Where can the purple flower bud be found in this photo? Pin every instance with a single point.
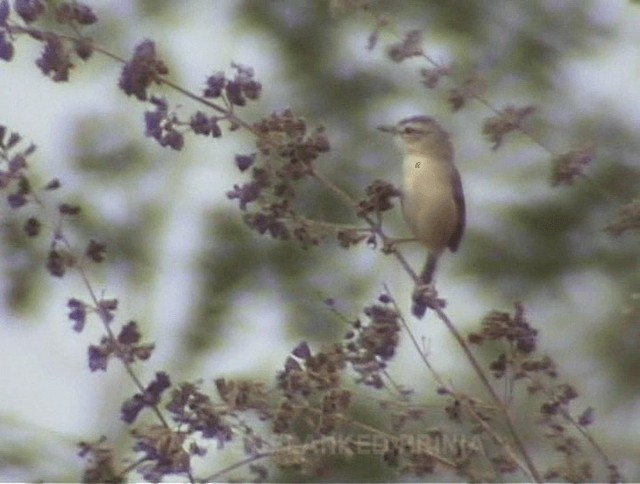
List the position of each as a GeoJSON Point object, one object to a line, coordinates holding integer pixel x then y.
{"type": "Point", "coordinates": [215, 85]}
{"type": "Point", "coordinates": [4, 11]}
{"type": "Point", "coordinates": [6, 48]}
{"type": "Point", "coordinates": [29, 10]}
{"type": "Point", "coordinates": [243, 162]}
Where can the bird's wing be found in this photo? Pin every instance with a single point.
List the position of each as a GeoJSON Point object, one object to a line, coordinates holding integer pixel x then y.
{"type": "Point", "coordinates": [458, 196]}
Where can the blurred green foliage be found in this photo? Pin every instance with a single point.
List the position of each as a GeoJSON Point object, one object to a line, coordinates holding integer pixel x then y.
{"type": "Point", "coordinates": [512, 43]}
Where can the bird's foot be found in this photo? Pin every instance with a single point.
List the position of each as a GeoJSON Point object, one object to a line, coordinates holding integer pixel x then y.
{"type": "Point", "coordinates": [391, 245]}
{"type": "Point", "coordinates": [425, 296]}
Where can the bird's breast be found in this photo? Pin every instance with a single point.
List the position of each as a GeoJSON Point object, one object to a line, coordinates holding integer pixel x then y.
{"type": "Point", "coordinates": [428, 204]}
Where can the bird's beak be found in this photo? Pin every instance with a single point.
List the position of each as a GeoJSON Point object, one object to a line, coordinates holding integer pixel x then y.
{"type": "Point", "coordinates": [388, 129]}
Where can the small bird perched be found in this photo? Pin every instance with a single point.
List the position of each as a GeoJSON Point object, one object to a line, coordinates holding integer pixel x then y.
{"type": "Point", "coordinates": [433, 200]}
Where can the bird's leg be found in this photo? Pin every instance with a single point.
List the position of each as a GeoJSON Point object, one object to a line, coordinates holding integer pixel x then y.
{"type": "Point", "coordinates": [391, 244]}
{"type": "Point", "coordinates": [425, 294]}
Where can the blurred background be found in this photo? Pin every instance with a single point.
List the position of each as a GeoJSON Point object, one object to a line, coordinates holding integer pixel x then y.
{"type": "Point", "coordinates": [220, 300]}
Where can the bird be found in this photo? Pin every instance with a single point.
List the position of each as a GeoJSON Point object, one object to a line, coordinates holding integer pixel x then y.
{"type": "Point", "coordinates": [433, 201]}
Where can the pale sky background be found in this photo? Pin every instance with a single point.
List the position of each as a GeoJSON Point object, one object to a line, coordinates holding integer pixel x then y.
{"type": "Point", "coordinates": [49, 397]}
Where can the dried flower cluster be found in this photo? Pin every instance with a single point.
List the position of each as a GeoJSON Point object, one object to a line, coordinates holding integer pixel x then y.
{"type": "Point", "coordinates": [143, 69]}
{"type": "Point", "coordinates": [471, 88]}
{"type": "Point", "coordinates": [242, 87]}
{"type": "Point", "coordinates": [15, 179]}
{"type": "Point", "coordinates": [372, 345]}
{"type": "Point", "coordinates": [628, 218]}
{"type": "Point", "coordinates": [195, 412]}
{"type": "Point", "coordinates": [520, 363]}
{"type": "Point", "coordinates": [569, 166]}
{"type": "Point", "coordinates": [411, 46]}
{"type": "Point", "coordinates": [13, 168]}
{"type": "Point", "coordinates": [163, 452]}
{"type": "Point", "coordinates": [510, 119]}
{"type": "Point", "coordinates": [164, 125]}
{"type": "Point", "coordinates": [150, 397]}
{"type": "Point", "coordinates": [56, 60]}
{"type": "Point", "coordinates": [515, 330]}
{"type": "Point", "coordinates": [380, 195]}
{"type": "Point", "coordinates": [431, 76]}
{"type": "Point", "coordinates": [100, 459]}
{"type": "Point", "coordinates": [287, 149]}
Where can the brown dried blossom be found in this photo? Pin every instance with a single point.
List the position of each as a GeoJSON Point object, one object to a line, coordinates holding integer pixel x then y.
{"type": "Point", "coordinates": [320, 371]}
{"type": "Point", "coordinates": [509, 119]}
{"type": "Point", "coordinates": [628, 218]}
{"type": "Point", "coordinates": [569, 166]}
{"type": "Point", "coordinates": [32, 227]}
{"type": "Point", "coordinates": [58, 261]}
{"type": "Point", "coordinates": [163, 451]}
{"type": "Point", "coordinates": [96, 251]}
{"type": "Point", "coordinates": [431, 77]}
{"type": "Point", "coordinates": [285, 415]}
{"type": "Point", "coordinates": [370, 345]}
{"type": "Point", "coordinates": [100, 462]}
{"type": "Point", "coordinates": [334, 404]}
{"type": "Point", "coordinates": [195, 411]}
{"type": "Point", "coordinates": [471, 88]}
{"type": "Point", "coordinates": [380, 195]}
{"type": "Point", "coordinates": [287, 136]}
{"type": "Point", "coordinates": [287, 149]}
{"type": "Point", "coordinates": [242, 395]}
{"type": "Point", "coordinates": [410, 46]}
{"type": "Point", "coordinates": [498, 325]}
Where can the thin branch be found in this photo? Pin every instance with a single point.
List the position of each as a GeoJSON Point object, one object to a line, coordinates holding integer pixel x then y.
{"type": "Point", "coordinates": [236, 465]}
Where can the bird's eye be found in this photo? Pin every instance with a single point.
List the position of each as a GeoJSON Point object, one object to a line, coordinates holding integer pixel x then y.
{"type": "Point", "coordinates": [409, 130]}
